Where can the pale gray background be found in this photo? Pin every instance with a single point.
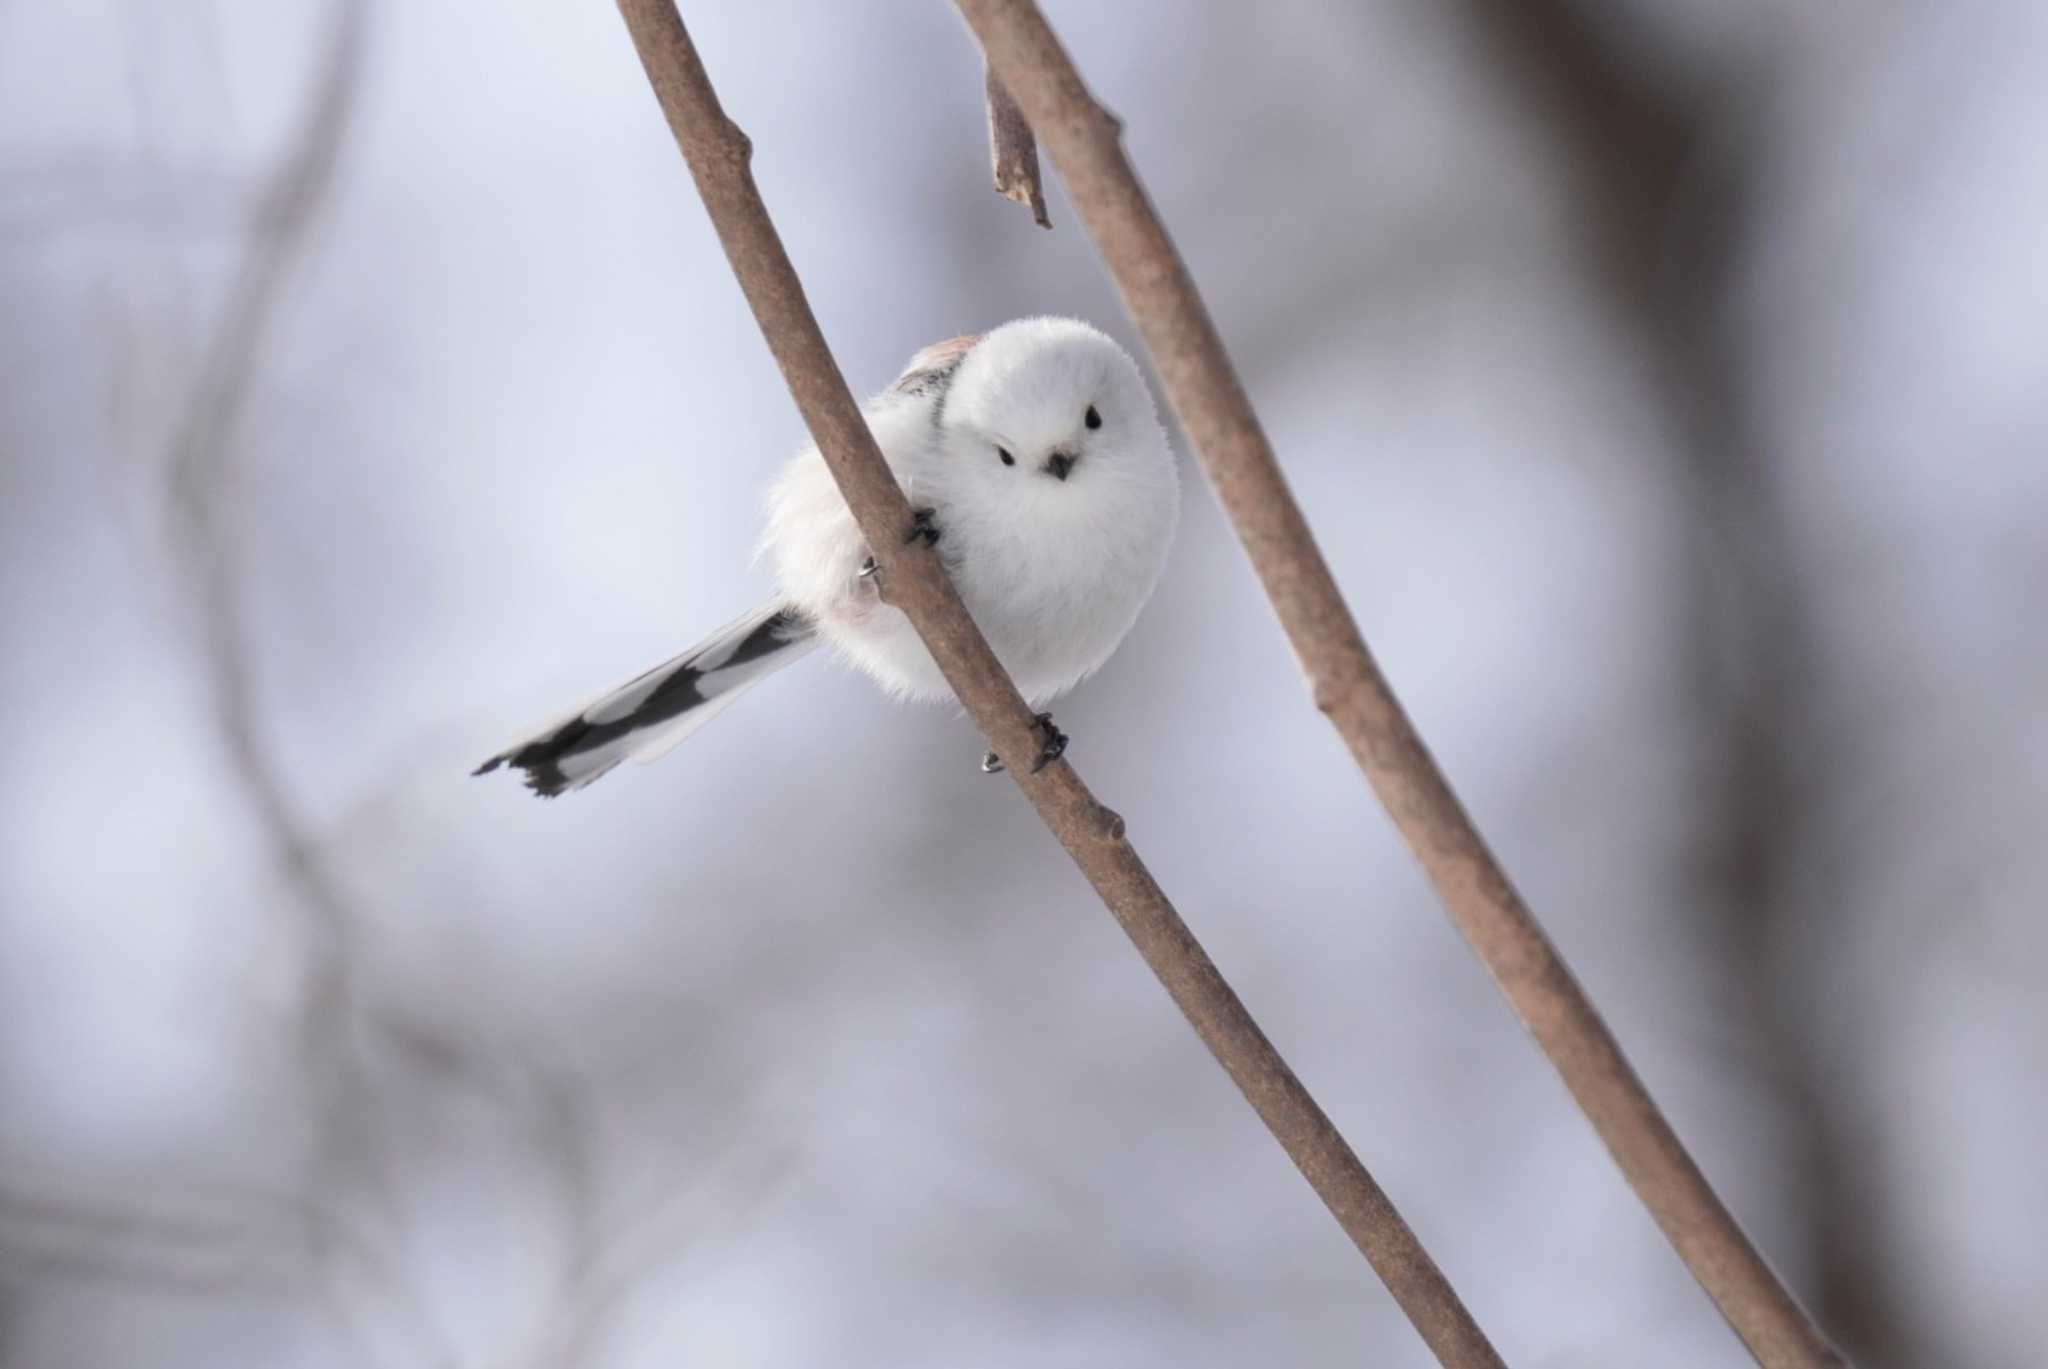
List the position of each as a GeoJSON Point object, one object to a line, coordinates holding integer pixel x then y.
{"type": "Point", "coordinates": [1681, 442]}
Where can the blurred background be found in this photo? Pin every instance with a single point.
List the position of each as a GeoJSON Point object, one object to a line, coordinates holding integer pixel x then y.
{"type": "Point", "coordinates": [1666, 381]}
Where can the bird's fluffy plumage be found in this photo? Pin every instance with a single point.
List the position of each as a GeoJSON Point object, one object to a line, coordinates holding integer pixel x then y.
{"type": "Point", "coordinates": [1040, 454]}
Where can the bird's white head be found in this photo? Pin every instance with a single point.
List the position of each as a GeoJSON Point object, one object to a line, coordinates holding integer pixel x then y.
{"type": "Point", "coordinates": [1048, 411]}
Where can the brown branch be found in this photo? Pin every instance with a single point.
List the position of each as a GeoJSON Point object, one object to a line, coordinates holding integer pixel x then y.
{"type": "Point", "coordinates": [718, 154]}
{"type": "Point", "coordinates": [1084, 143]}
{"type": "Point", "coordinates": [1014, 152]}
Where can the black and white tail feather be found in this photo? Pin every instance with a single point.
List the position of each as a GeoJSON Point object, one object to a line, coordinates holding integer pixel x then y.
{"type": "Point", "coordinates": [649, 714]}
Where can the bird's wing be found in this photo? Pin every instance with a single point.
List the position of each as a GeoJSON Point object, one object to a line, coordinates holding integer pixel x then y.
{"type": "Point", "coordinates": [931, 370]}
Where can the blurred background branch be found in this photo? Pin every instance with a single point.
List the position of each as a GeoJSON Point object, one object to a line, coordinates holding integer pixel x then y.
{"type": "Point", "coordinates": [199, 475]}
{"type": "Point", "coordinates": [1662, 172]}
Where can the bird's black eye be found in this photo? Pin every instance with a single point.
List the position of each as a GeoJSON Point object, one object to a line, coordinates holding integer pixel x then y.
{"type": "Point", "coordinates": [1092, 419]}
{"type": "Point", "coordinates": [1008, 460]}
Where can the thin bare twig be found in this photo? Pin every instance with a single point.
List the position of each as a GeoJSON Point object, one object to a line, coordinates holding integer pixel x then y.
{"type": "Point", "coordinates": [1014, 152]}
{"type": "Point", "coordinates": [718, 155]}
{"type": "Point", "coordinates": [1084, 142]}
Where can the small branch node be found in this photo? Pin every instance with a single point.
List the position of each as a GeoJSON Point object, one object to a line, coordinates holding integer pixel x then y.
{"type": "Point", "coordinates": [1338, 678]}
{"type": "Point", "coordinates": [734, 145]}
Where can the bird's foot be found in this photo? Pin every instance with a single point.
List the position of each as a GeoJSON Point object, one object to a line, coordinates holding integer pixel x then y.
{"type": "Point", "coordinates": [874, 580]}
{"type": "Point", "coordinates": [921, 525]}
{"type": "Point", "coordinates": [1054, 746]}
{"type": "Point", "coordinates": [1055, 742]}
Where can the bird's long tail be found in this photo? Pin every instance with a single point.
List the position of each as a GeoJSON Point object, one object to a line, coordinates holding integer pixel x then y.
{"type": "Point", "coordinates": [646, 716]}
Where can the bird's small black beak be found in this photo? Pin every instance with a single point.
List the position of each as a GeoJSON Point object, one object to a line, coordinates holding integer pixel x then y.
{"type": "Point", "coordinates": [1059, 464]}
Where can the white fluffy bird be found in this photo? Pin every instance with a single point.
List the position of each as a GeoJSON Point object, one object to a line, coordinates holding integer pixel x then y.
{"type": "Point", "coordinates": [1035, 461]}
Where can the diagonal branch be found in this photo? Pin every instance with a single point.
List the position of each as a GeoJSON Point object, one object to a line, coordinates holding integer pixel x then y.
{"type": "Point", "coordinates": [718, 154]}
{"type": "Point", "coordinates": [1084, 142]}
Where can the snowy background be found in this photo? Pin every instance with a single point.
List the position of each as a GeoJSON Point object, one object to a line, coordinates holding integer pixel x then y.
{"type": "Point", "coordinates": [1667, 382]}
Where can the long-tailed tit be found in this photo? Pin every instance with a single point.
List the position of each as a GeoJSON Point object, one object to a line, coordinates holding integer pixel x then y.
{"type": "Point", "coordinates": [1035, 462]}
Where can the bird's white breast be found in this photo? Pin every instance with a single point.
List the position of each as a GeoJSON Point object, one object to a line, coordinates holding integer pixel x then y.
{"type": "Point", "coordinates": [1053, 572]}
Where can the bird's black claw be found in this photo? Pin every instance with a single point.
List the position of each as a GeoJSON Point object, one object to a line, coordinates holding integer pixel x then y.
{"type": "Point", "coordinates": [921, 525]}
{"type": "Point", "coordinates": [1055, 742]}
{"type": "Point", "coordinates": [869, 570]}
{"type": "Point", "coordinates": [1055, 746]}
